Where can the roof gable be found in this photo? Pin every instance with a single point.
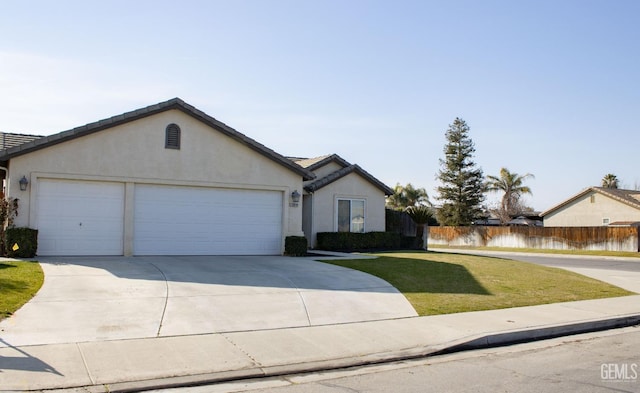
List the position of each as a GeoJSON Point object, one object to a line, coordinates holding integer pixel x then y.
{"type": "Point", "coordinates": [151, 110]}
{"type": "Point", "coordinates": [337, 175]}
{"type": "Point", "coordinates": [627, 197]}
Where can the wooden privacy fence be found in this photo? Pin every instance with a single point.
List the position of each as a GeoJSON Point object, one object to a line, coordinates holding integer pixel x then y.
{"type": "Point", "coordinates": [559, 238]}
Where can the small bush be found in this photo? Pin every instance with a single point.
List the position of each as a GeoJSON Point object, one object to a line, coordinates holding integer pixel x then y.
{"type": "Point", "coordinates": [26, 240]}
{"type": "Point", "coordinates": [350, 241]}
{"type": "Point", "coordinates": [295, 246]}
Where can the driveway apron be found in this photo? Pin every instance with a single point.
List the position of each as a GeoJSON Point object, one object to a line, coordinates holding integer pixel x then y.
{"type": "Point", "coordinates": [108, 298]}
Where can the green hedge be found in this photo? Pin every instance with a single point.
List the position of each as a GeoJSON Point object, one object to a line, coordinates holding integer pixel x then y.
{"type": "Point", "coordinates": [350, 241]}
{"type": "Point", "coordinates": [24, 240]}
{"type": "Point", "coordinates": [295, 246]}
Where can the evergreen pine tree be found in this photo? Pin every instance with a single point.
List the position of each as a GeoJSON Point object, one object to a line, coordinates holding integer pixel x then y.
{"type": "Point", "coordinates": [462, 190]}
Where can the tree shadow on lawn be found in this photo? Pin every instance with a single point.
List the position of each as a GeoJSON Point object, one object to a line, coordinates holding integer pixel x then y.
{"type": "Point", "coordinates": [442, 277]}
{"type": "Point", "coordinates": [411, 275]}
{"type": "Point", "coordinates": [6, 266]}
{"type": "Point", "coordinates": [8, 285]}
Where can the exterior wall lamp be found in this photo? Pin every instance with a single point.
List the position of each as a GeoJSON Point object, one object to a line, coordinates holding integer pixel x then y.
{"type": "Point", "coordinates": [295, 196]}
{"type": "Point", "coordinates": [23, 183]}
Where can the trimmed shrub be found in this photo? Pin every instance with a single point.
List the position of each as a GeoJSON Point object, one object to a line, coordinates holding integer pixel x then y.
{"type": "Point", "coordinates": [350, 241]}
{"type": "Point", "coordinates": [24, 240]}
{"type": "Point", "coordinates": [295, 246]}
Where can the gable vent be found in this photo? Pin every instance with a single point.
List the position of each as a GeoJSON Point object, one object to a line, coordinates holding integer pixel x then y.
{"type": "Point", "coordinates": [172, 137]}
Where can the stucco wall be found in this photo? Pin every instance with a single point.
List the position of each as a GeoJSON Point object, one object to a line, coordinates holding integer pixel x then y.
{"type": "Point", "coordinates": [584, 212]}
{"type": "Point", "coordinates": [135, 153]}
{"type": "Point", "coordinates": [353, 186]}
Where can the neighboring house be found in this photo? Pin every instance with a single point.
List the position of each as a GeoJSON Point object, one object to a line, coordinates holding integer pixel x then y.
{"type": "Point", "coordinates": [9, 140]}
{"type": "Point", "coordinates": [166, 179]}
{"type": "Point", "coordinates": [342, 198]}
{"type": "Point", "coordinates": [596, 206]}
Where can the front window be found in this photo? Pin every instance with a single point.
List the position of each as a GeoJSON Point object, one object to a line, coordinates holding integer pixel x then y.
{"type": "Point", "coordinates": [351, 215]}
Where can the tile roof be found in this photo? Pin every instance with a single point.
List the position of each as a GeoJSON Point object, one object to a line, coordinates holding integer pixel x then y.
{"type": "Point", "coordinates": [625, 224]}
{"type": "Point", "coordinates": [330, 178]}
{"type": "Point", "coordinates": [307, 162]}
{"type": "Point", "coordinates": [317, 162]}
{"type": "Point", "coordinates": [9, 140]}
{"type": "Point", "coordinates": [175, 103]}
{"type": "Point", "coordinates": [628, 197]}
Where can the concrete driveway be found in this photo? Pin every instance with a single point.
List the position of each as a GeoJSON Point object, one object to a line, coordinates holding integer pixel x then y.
{"type": "Point", "coordinates": [107, 298]}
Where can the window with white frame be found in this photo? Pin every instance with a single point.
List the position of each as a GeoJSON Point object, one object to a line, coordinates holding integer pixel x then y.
{"type": "Point", "coordinates": [351, 215]}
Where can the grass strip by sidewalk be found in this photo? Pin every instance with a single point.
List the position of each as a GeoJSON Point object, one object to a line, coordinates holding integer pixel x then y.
{"type": "Point", "coordinates": [627, 254]}
{"type": "Point", "coordinates": [19, 282]}
{"type": "Point", "coordinates": [442, 283]}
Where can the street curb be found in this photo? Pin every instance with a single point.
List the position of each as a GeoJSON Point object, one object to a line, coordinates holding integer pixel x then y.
{"type": "Point", "coordinates": [542, 333]}
{"type": "Point", "coordinates": [482, 341]}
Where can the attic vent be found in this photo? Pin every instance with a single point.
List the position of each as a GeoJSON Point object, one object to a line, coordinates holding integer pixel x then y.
{"type": "Point", "coordinates": [172, 137]}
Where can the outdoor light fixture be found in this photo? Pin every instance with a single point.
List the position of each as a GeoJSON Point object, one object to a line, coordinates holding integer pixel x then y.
{"type": "Point", "coordinates": [295, 196]}
{"type": "Point", "coordinates": [23, 183]}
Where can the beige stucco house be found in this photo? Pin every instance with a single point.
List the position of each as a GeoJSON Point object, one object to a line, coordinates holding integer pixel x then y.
{"type": "Point", "coordinates": [166, 179]}
{"type": "Point", "coordinates": [169, 179]}
{"type": "Point", "coordinates": [595, 206]}
{"type": "Point", "coordinates": [342, 198]}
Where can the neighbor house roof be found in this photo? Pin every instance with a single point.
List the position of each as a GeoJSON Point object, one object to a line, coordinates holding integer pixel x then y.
{"type": "Point", "coordinates": [628, 197]}
{"type": "Point", "coordinates": [314, 163]}
{"type": "Point", "coordinates": [9, 139]}
{"type": "Point", "coordinates": [175, 103]}
{"type": "Point", "coordinates": [339, 174]}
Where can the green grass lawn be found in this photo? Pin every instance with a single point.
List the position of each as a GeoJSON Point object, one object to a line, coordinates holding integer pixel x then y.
{"type": "Point", "coordinates": [543, 251]}
{"type": "Point", "coordinates": [442, 283]}
{"type": "Point", "coordinates": [19, 282]}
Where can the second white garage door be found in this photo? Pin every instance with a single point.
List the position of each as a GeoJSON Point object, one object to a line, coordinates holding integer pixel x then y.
{"type": "Point", "coordinates": [206, 221]}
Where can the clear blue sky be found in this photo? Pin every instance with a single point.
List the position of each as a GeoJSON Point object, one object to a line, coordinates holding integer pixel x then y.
{"type": "Point", "coordinates": [547, 87]}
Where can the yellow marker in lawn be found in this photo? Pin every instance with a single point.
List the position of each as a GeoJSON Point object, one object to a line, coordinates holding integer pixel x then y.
{"type": "Point", "coordinates": [15, 247]}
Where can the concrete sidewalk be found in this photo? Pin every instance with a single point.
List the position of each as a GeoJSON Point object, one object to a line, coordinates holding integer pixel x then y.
{"type": "Point", "coordinates": [139, 364]}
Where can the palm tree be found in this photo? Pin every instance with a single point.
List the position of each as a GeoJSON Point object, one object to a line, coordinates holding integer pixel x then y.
{"type": "Point", "coordinates": [407, 196]}
{"type": "Point", "coordinates": [610, 181]}
{"type": "Point", "coordinates": [512, 186]}
{"type": "Point", "coordinates": [421, 215]}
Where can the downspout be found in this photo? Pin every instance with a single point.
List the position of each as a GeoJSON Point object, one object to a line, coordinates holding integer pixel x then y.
{"type": "Point", "coordinates": [313, 222]}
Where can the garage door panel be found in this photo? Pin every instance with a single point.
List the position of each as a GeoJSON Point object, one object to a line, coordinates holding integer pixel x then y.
{"type": "Point", "coordinates": [206, 221]}
{"type": "Point", "coordinates": [80, 218]}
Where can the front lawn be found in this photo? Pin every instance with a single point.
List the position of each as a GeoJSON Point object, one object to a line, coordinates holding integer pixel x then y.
{"type": "Point", "coordinates": [628, 254]}
{"type": "Point", "coordinates": [443, 283]}
{"type": "Point", "coordinates": [19, 282]}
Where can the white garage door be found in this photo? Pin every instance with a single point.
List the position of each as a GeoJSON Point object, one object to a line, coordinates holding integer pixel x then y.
{"type": "Point", "coordinates": [80, 218]}
{"type": "Point", "coordinates": [206, 221]}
